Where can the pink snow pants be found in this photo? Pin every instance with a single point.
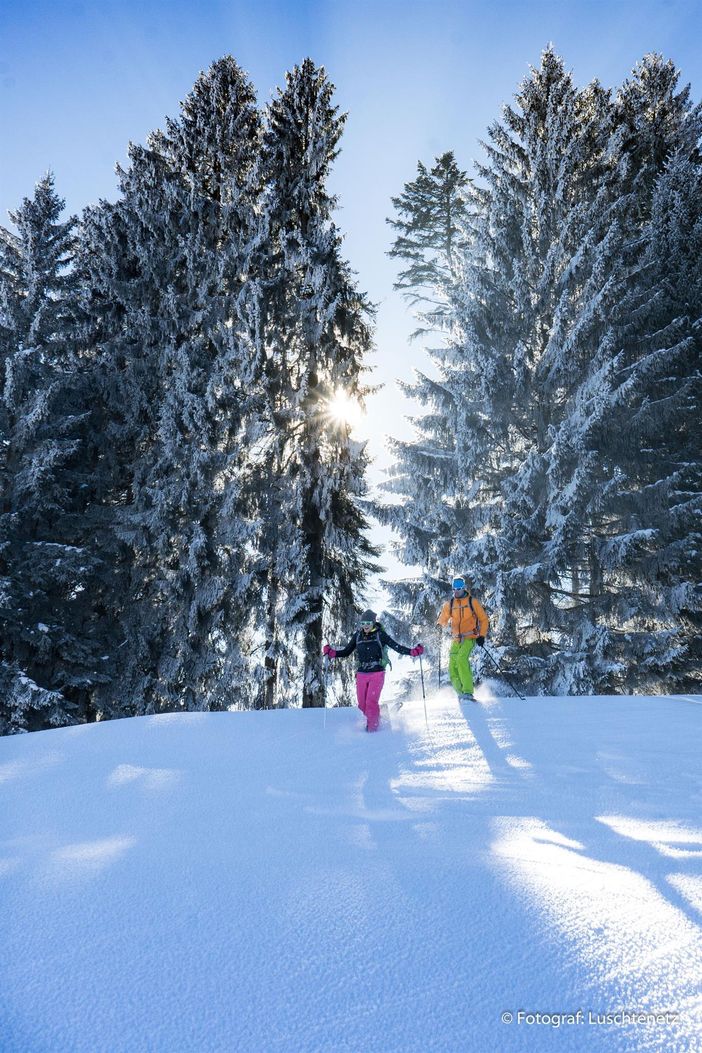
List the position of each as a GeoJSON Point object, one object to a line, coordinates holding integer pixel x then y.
{"type": "Point", "coordinates": [368, 688]}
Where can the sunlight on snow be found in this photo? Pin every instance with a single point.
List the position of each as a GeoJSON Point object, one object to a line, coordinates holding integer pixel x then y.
{"type": "Point", "coordinates": [661, 835]}
{"type": "Point", "coordinates": [159, 720]}
{"type": "Point", "coordinates": [500, 730]}
{"type": "Point", "coordinates": [90, 857]}
{"type": "Point", "coordinates": [20, 769]}
{"type": "Point", "coordinates": [690, 888]}
{"type": "Point", "coordinates": [621, 767]}
{"type": "Point", "coordinates": [518, 762]}
{"type": "Point", "coordinates": [151, 778]}
{"type": "Point", "coordinates": [446, 756]}
{"type": "Point", "coordinates": [456, 770]}
{"type": "Point", "coordinates": [14, 770]}
{"type": "Point", "coordinates": [630, 937]}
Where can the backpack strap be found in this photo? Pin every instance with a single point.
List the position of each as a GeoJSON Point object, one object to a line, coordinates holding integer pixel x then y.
{"type": "Point", "coordinates": [387, 664]}
{"type": "Point", "coordinates": [472, 610]}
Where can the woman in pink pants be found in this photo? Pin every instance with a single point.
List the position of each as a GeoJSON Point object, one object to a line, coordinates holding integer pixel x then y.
{"type": "Point", "coordinates": [369, 643]}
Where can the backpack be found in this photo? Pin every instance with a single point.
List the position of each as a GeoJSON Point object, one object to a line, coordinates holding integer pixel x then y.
{"type": "Point", "coordinates": [385, 659]}
{"type": "Point", "coordinates": [387, 664]}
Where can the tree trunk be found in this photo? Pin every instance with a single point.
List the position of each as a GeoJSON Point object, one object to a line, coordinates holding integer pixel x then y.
{"type": "Point", "coordinates": [270, 662]}
{"type": "Point", "coordinates": [313, 679]}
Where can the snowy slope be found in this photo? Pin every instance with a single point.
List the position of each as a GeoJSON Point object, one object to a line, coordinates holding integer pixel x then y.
{"type": "Point", "coordinates": [282, 883]}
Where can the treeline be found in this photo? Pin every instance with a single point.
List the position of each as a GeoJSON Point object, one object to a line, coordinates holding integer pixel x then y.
{"type": "Point", "coordinates": [558, 460]}
{"type": "Point", "coordinates": [179, 525]}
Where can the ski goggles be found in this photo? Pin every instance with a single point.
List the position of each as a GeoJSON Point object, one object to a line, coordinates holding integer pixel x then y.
{"type": "Point", "coordinates": [367, 625]}
{"type": "Point", "coordinates": [458, 584]}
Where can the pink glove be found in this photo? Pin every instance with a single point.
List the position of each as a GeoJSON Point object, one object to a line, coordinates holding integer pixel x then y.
{"type": "Point", "coordinates": [416, 651]}
{"type": "Point", "coordinates": [328, 651]}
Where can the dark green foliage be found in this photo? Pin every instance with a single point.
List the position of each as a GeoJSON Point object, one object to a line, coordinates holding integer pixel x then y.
{"type": "Point", "coordinates": [52, 643]}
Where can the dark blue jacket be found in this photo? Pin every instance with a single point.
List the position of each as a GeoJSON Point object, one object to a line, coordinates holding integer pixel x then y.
{"type": "Point", "coordinates": [369, 649]}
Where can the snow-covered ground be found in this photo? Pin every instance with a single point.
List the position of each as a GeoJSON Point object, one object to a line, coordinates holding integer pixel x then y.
{"type": "Point", "coordinates": [282, 882]}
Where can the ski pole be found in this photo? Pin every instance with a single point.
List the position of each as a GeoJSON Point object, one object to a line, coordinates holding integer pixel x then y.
{"type": "Point", "coordinates": [505, 678]}
{"type": "Point", "coordinates": [421, 673]}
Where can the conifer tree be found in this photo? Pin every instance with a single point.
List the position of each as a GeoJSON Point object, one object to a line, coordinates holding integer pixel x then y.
{"type": "Point", "coordinates": [534, 233]}
{"type": "Point", "coordinates": [122, 386]}
{"type": "Point", "coordinates": [433, 240]}
{"type": "Point", "coordinates": [561, 334]}
{"type": "Point", "coordinates": [656, 119]}
{"type": "Point", "coordinates": [177, 368]}
{"type": "Point", "coordinates": [51, 652]}
{"type": "Point", "coordinates": [647, 560]}
{"type": "Point", "coordinates": [431, 215]}
{"type": "Point", "coordinates": [559, 202]}
{"type": "Point", "coordinates": [634, 625]}
{"type": "Point", "coordinates": [316, 332]}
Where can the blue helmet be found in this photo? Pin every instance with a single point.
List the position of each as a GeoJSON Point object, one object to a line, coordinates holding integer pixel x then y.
{"type": "Point", "coordinates": [458, 584]}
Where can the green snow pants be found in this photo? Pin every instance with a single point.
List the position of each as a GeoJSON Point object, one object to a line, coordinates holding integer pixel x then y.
{"type": "Point", "coordinates": [459, 666]}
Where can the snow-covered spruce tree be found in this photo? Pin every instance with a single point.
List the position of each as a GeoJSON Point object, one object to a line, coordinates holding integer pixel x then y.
{"type": "Point", "coordinates": [431, 215]}
{"type": "Point", "coordinates": [316, 331]}
{"type": "Point", "coordinates": [587, 184]}
{"type": "Point", "coordinates": [50, 651]}
{"type": "Point", "coordinates": [554, 206]}
{"type": "Point", "coordinates": [178, 377]}
{"type": "Point", "coordinates": [122, 390]}
{"type": "Point", "coordinates": [625, 625]}
{"type": "Point", "coordinates": [620, 635]}
{"type": "Point", "coordinates": [646, 555]}
{"type": "Point", "coordinates": [431, 221]}
{"type": "Point", "coordinates": [656, 118]}
{"type": "Point", "coordinates": [516, 351]}
{"type": "Point", "coordinates": [545, 369]}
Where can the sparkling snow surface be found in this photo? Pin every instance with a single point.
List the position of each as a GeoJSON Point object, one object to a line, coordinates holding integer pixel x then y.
{"type": "Point", "coordinates": [282, 882]}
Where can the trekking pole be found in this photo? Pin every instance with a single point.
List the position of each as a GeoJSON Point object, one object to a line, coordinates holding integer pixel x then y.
{"type": "Point", "coordinates": [421, 673]}
{"type": "Point", "coordinates": [439, 653]}
{"type": "Point", "coordinates": [327, 687]}
{"type": "Point", "coordinates": [505, 678]}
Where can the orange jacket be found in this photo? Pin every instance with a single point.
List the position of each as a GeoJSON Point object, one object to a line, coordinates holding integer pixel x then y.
{"type": "Point", "coordinates": [467, 621]}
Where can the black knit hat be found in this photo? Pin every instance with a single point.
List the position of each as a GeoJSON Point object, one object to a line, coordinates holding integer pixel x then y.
{"type": "Point", "coordinates": [368, 616]}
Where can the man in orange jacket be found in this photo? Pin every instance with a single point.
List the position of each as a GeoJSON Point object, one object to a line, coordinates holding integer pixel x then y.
{"type": "Point", "coordinates": [469, 625]}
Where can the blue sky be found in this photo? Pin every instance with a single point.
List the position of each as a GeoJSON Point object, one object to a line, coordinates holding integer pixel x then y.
{"type": "Point", "coordinates": [78, 80]}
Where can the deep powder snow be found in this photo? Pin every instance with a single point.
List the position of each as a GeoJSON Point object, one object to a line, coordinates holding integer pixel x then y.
{"type": "Point", "coordinates": [282, 882]}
